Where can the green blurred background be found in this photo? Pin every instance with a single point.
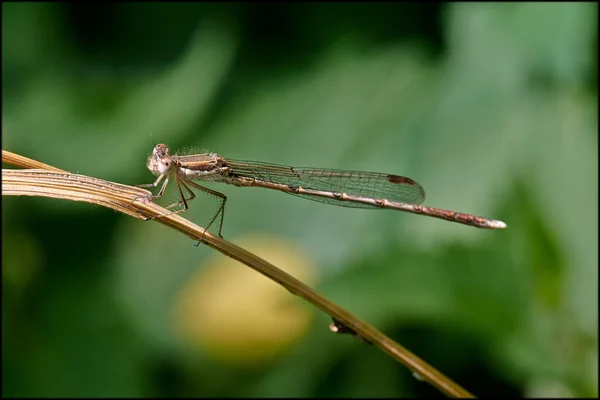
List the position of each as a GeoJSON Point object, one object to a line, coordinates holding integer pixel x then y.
{"type": "Point", "coordinates": [491, 107]}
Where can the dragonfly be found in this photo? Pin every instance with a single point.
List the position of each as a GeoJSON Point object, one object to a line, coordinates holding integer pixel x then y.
{"type": "Point", "coordinates": [356, 189]}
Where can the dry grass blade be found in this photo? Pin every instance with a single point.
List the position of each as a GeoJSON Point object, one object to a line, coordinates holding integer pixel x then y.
{"type": "Point", "coordinates": [21, 161]}
{"type": "Point", "coordinates": [55, 183]}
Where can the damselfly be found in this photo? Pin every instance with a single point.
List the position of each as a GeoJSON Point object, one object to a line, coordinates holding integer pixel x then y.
{"type": "Point", "coordinates": [338, 187]}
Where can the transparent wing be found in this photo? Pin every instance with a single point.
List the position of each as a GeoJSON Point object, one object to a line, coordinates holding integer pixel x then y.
{"type": "Point", "coordinates": [358, 183]}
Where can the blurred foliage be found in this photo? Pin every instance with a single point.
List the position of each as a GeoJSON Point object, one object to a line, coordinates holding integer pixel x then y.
{"type": "Point", "coordinates": [492, 107]}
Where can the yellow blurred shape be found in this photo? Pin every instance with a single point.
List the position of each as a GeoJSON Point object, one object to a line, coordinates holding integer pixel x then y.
{"type": "Point", "coordinates": [239, 316]}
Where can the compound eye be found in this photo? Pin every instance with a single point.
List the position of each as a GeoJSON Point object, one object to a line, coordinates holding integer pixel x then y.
{"type": "Point", "coordinates": [164, 166]}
